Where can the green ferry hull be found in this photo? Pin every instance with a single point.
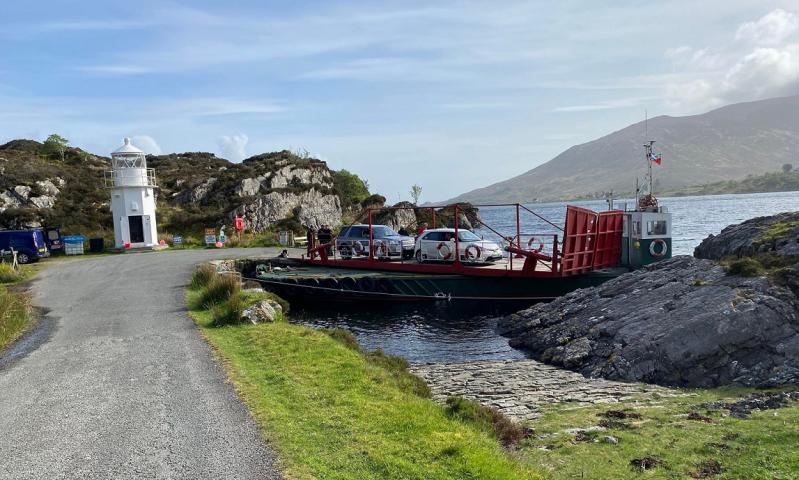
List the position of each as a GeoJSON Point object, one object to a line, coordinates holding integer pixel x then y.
{"type": "Point", "coordinates": [333, 284]}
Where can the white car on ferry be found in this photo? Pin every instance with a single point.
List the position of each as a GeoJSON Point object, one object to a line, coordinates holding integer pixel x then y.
{"type": "Point", "coordinates": [438, 245]}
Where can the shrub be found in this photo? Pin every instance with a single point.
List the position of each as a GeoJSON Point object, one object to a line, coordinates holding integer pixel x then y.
{"type": "Point", "coordinates": [228, 312]}
{"type": "Point", "coordinates": [202, 276]}
{"type": "Point", "coordinates": [490, 419]}
{"type": "Point", "coordinates": [218, 290]}
{"type": "Point", "coordinates": [8, 274]}
{"type": "Point", "coordinates": [745, 267]}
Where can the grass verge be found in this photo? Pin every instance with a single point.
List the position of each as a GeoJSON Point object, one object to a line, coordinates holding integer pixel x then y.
{"type": "Point", "coordinates": [333, 412]}
{"type": "Point", "coordinates": [15, 307]}
{"type": "Point", "coordinates": [671, 437]}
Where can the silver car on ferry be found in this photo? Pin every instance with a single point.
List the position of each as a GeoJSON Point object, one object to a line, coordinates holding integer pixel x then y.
{"type": "Point", "coordinates": [353, 241]}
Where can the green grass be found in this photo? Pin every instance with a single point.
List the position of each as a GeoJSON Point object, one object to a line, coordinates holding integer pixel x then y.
{"type": "Point", "coordinates": [8, 274]}
{"type": "Point", "coordinates": [15, 308]}
{"type": "Point", "coordinates": [332, 412]}
{"type": "Point", "coordinates": [15, 316]}
{"type": "Point", "coordinates": [762, 446]}
{"type": "Point", "coordinates": [776, 231]}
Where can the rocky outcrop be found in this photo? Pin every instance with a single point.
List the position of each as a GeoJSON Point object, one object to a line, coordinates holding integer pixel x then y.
{"type": "Point", "coordinates": [681, 322]}
{"type": "Point", "coordinates": [777, 233]}
{"type": "Point", "coordinates": [310, 208]}
{"type": "Point", "coordinates": [39, 195]}
{"type": "Point", "coordinates": [195, 194]}
{"type": "Point", "coordinates": [403, 215]}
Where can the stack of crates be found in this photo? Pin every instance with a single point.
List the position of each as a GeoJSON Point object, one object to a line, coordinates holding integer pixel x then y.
{"type": "Point", "coordinates": [73, 244]}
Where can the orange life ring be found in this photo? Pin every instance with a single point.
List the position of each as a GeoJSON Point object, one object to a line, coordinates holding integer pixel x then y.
{"type": "Point", "coordinates": [469, 255]}
{"type": "Point", "coordinates": [664, 248]}
{"type": "Point", "coordinates": [540, 244]}
{"type": "Point", "coordinates": [443, 246]}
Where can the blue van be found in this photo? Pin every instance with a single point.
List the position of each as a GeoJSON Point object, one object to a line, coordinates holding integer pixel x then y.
{"type": "Point", "coordinates": [29, 244]}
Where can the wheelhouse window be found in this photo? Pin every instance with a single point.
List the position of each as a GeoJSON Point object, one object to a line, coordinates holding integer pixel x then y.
{"type": "Point", "coordinates": [656, 227]}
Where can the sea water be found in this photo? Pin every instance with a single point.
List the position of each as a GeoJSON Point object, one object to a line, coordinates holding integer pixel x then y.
{"type": "Point", "coordinates": [443, 332]}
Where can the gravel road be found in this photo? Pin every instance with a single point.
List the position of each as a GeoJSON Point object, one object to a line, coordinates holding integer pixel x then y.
{"type": "Point", "coordinates": [122, 385]}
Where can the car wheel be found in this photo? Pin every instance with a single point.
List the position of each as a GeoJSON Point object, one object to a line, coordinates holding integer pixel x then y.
{"type": "Point", "coordinates": [419, 256]}
{"type": "Point", "coordinates": [23, 258]}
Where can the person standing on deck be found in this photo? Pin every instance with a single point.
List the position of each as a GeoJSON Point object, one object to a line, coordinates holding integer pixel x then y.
{"type": "Point", "coordinates": [311, 237]}
{"type": "Point", "coordinates": [325, 237]}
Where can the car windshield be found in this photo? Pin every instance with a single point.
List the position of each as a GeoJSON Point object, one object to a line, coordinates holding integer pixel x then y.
{"type": "Point", "coordinates": [467, 236]}
{"type": "Point", "coordinates": [381, 231]}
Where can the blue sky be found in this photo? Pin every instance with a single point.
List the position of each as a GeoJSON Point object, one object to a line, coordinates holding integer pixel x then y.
{"type": "Point", "coordinates": [452, 95]}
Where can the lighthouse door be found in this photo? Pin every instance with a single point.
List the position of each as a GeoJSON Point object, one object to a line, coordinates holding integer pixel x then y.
{"type": "Point", "coordinates": [136, 229]}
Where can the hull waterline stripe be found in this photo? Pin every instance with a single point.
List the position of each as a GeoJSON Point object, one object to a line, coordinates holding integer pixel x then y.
{"type": "Point", "coordinates": [384, 294]}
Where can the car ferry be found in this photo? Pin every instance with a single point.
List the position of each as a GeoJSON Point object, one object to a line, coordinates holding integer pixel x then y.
{"type": "Point", "coordinates": [454, 263]}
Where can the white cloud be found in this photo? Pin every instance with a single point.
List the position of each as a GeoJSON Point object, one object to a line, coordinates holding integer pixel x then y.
{"type": "Point", "coordinates": [764, 64]}
{"type": "Point", "coordinates": [771, 29]}
{"type": "Point", "coordinates": [233, 147]}
{"type": "Point", "coordinates": [606, 105]}
{"type": "Point", "coordinates": [147, 144]}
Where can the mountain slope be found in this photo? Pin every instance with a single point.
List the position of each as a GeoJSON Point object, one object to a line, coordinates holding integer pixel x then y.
{"type": "Point", "coordinates": [728, 143]}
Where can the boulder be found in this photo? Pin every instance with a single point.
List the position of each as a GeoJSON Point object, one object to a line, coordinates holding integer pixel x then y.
{"type": "Point", "coordinates": [310, 208]}
{"type": "Point", "coordinates": [680, 322]}
{"type": "Point", "coordinates": [777, 233]}
{"type": "Point", "coordinates": [261, 312]}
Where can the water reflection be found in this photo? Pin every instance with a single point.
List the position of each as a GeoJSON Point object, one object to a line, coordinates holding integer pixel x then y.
{"type": "Point", "coordinates": [437, 332]}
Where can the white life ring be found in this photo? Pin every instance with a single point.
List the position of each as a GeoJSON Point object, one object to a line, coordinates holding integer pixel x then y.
{"type": "Point", "coordinates": [444, 251]}
{"type": "Point", "coordinates": [472, 248]}
{"type": "Point", "coordinates": [664, 247]}
{"type": "Point", "coordinates": [357, 246]}
{"type": "Point", "coordinates": [380, 248]}
{"type": "Point", "coordinates": [540, 244]}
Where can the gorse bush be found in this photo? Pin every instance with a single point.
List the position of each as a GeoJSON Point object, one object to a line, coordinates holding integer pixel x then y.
{"type": "Point", "coordinates": [218, 290]}
{"type": "Point", "coordinates": [490, 419]}
{"type": "Point", "coordinates": [202, 276]}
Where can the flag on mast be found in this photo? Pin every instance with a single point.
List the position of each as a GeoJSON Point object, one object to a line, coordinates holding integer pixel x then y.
{"type": "Point", "coordinates": [655, 158]}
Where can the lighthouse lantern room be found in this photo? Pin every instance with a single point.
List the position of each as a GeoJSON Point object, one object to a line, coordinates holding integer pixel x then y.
{"type": "Point", "coordinates": [132, 187]}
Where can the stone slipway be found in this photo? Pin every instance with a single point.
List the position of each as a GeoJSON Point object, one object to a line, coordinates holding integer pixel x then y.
{"type": "Point", "coordinates": [518, 388]}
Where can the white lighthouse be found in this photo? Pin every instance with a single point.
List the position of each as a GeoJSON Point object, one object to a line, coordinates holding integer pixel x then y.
{"type": "Point", "coordinates": [132, 198]}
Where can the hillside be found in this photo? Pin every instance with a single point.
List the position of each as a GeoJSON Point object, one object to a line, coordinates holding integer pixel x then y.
{"type": "Point", "coordinates": [728, 143]}
{"type": "Point", "coordinates": [196, 189]}
{"type": "Point", "coordinates": [780, 181]}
